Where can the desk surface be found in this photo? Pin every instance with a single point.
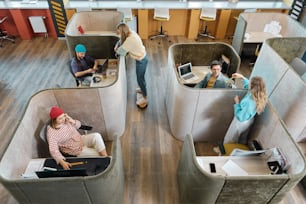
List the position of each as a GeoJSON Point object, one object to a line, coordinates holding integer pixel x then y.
{"type": "Point", "coordinates": [258, 37]}
{"type": "Point", "coordinates": [200, 71]}
{"type": "Point", "coordinates": [111, 74]}
{"type": "Point", "coordinates": [252, 165]}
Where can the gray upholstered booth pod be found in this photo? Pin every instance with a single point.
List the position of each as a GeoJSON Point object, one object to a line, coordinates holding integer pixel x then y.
{"type": "Point", "coordinates": [199, 186]}
{"type": "Point", "coordinates": [99, 32]}
{"type": "Point", "coordinates": [102, 113]}
{"type": "Point", "coordinates": [92, 106]}
{"type": "Point", "coordinates": [287, 90]}
{"type": "Point", "coordinates": [193, 110]}
{"type": "Point", "coordinates": [255, 22]}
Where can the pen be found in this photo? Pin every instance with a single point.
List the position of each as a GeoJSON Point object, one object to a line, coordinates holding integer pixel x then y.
{"type": "Point", "coordinates": [78, 163]}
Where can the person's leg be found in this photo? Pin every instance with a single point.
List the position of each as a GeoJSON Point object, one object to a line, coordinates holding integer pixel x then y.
{"type": "Point", "coordinates": [141, 67]}
{"type": "Point", "coordinates": [95, 140]}
{"type": "Point", "coordinates": [237, 131]}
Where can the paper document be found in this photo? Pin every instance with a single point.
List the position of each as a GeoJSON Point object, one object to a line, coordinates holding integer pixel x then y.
{"type": "Point", "coordinates": [241, 152]}
{"type": "Point", "coordinates": [232, 169]}
{"type": "Point", "coordinates": [33, 166]}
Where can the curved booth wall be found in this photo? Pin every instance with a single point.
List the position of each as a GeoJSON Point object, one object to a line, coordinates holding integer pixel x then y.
{"type": "Point", "coordinates": [198, 185]}
{"type": "Point", "coordinates": [95, 25]}
{"type": "Point", "coordinates": [26, 145]}
{"type": "Point", "coordinates": [285, 87]}
{"type": "Point", "coordinates": [94, 106]}
{"type": "Point", "coordinates": [254, 24]}
{"type": "Point", "coordinates": [193, 110]}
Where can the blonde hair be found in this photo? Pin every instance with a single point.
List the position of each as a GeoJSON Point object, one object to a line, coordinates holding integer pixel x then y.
{"type": "Point", "coordinates": [258, 90]}
{"type": "Point", "coordinates": [124, 31]}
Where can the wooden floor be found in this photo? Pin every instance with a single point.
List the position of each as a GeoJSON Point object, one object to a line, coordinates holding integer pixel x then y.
{"type": "Point", "coordinates": [150, 152]}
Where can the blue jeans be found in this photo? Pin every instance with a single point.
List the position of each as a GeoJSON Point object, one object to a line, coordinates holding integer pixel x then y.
{"type": "Point", "coordinates": [141, 67]}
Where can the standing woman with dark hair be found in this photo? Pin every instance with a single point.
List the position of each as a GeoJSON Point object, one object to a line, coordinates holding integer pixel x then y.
{"type": "Point", "coordinates": [131, 43]}
{"type": "Point", "coordinates": [244, 111]}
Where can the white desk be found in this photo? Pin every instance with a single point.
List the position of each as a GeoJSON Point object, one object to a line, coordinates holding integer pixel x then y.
{"type": "Point", "coordinates": [253, 165]}
{"type": "Point", "coordinates": [258, 37]}
{"type": "Point", "coordinates": [200, 71]}
{"type": "Point", "coordinates": [111, 74]}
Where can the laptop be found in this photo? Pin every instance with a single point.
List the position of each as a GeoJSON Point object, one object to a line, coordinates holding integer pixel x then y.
{"type": "Point", "coordinates": [185, 72]}
{"type": "Point", "coordinates": [102, 68]}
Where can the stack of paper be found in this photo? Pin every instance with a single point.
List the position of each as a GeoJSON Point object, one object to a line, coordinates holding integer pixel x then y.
{"type": "Point", "coordinates": [232, 169]}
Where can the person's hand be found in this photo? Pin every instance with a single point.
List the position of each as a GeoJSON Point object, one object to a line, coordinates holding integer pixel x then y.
{"type": "Point", "coordinates": [236, 99]}
{"type": "Point", "coordinates": [69, 119]}
{"type": "Point", "coordinates": [65, 165]}
{"type": "Point", "coordinates": [237, 76]}
{"type": "Point", "coordinates": [118, 43]}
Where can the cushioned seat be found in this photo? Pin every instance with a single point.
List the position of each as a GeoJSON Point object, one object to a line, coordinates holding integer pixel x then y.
{"type": "Point", "coordinates": [226, 149]}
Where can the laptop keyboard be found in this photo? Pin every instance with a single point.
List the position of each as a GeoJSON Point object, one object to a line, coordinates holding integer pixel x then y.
{"type": "Point", "coordinates": [188, 76]}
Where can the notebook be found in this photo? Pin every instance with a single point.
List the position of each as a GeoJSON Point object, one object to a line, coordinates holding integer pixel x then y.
{"type": "Point", "coordinates": [102, 68]}
{"type": "Point", "coordinates": [185, 72]}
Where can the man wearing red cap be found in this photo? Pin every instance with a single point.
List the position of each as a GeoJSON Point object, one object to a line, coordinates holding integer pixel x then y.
{"type": "Point", "coordinates": [63, 137]}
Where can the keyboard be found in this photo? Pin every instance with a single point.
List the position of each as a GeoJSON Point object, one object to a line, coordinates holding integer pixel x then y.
{"type": "Point", "coordinates": [188, 76]}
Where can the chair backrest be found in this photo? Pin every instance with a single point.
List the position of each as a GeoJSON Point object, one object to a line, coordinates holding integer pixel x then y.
{"type": "Point", "coordinates": [77, 81]}
{"type": "Point", "coordinates": [161, 14]}
{"type": "Point", "coordinates": [208, 14]}
{"type": "Point", "coordinates": [43, 132]}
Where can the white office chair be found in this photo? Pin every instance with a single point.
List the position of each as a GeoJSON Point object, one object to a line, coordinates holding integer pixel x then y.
{"type": "Point", "coordinates": [127, 14]}
{"type": "Point", "coordinates": [161, 14]}
{"type": "Point", "coordinates": [207, 15]}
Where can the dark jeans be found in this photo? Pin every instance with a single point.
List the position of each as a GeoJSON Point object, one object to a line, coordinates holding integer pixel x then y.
{"type": "Point", "coordinates": [141, 67]}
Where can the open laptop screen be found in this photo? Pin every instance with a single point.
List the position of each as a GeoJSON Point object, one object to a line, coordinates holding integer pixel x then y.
{"type": "Point", "coordinates": [102, 68]}
{"type": "Point", "coordinates": [185, 69]}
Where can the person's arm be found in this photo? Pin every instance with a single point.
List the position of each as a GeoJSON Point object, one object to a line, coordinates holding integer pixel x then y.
{"type": "Point", "coordinates": [96, 63]}
{"type": "Point", "coordinates": [85, 72]}
{"type": "Point", "coordinates": [245, 81]}
{"type": "Point", "coordinates": [121, 51]}
{"type": "Point", "coordinates": [202, 83]}
{"type": "Point", "coordinates": [53, 145]}
{"type": "Point", "coordinates": [117, 45]}
{"type": "Point", "coordinates": [64, 164]}
{"type": "Point", "coordinates": [75, 123]}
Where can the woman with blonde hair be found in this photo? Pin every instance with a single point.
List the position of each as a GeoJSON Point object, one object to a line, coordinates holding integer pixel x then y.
{"type": "Point", "coordinates": [244, 111]}
{"type": "Point", "coordinates": [130, 43]}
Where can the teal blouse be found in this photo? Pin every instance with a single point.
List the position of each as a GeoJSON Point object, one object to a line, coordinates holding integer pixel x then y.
{"type": "Point", "coordinates": [246, 109]}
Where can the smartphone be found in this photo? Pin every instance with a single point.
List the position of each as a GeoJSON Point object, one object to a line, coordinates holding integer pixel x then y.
{"type": "Point", "coordinates": [212, 167]}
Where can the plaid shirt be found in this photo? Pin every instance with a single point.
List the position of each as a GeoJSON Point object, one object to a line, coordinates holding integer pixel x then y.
{"type": "Point", "coordinates": [66, 139]}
